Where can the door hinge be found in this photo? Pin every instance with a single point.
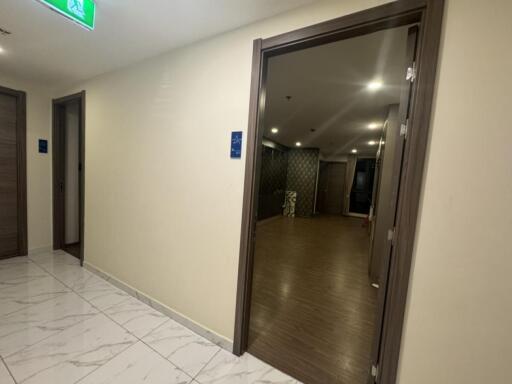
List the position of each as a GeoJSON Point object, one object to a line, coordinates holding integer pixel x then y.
{"type": "Point", "coordinates": [375, 371]}
{"type": "Point", "coordinates": [403, 129]}
{"type": "Point", "coordinates": [411, 73]}
{"type": "Point", "coordinates": [391, 235]}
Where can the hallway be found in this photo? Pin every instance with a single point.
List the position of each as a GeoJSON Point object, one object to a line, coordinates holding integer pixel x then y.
{"type": "Point", "coordinates": [165, 144]}
{"type": "Point", "coordinates": [313, 307]}
{"type": "Point", "coordinates": [61, 324]}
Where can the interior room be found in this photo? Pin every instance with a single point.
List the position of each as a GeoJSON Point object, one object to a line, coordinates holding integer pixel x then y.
{"type": "Point", "coordinates": [200, 192]}
{"type": "Point", "coordinates": [329, 113]}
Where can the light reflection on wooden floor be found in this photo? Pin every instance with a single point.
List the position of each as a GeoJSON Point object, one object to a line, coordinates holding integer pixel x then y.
{"type": "Point", "coordinates": [313, 308]}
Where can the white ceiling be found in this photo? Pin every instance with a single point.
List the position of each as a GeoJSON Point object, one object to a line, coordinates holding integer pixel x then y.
{"type": "Point", "coordinates": [329, 94]}
{"type": "Point", "coordinates": [48, 48]}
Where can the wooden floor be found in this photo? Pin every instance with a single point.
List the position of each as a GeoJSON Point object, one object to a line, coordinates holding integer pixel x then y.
{"type": "Point", "coordinates": [313, 307]}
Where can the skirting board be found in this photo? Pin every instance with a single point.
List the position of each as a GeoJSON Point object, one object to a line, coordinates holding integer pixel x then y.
{"type": "Point", "coordinates": [183, 320]}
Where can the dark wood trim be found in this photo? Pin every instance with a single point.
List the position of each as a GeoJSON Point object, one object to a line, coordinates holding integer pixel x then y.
{"type": "Point", "coordinates": [428, 14]}
{"type": "Point", "coordinates": [82, 176]}
{"type": "Point", "coordinates": [57, 175]}
{"type": "Point", "coordinates": [58, 136]}
{"type": "Point", "coordinates": [393, 14]}
{"type": "Point", "coordinates": [410, 188]}
{"type": "Point", "coordinates": [21, 138]}
{"type": "Point", "coordinates": [22, 174]}
{"type": "Point", "coordinates": [248, 221]}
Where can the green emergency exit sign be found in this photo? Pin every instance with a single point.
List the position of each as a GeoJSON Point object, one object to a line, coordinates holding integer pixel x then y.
{"type": "Point", "coordinates": [81, 11]}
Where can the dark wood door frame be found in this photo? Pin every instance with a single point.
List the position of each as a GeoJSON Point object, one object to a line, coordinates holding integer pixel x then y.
{"type": "Point", "coordinates": [428, 14]}
{"type": "Point", "coordinates": [21, 150]}
{"type": "Point", "coordinates": [58, 137]}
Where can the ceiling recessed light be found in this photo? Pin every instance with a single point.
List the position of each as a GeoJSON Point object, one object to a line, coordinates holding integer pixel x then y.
{"type": "Point", "coordinates": [374, 85]}
{"type": "Point", "coordinates": [2, 50]}
{"type": "Point", "coordinates": [274, 130]}
{"type": "Point", "coordinates": [371, 142]}
{"type": "Point", "coordinates": [373, 125]}
{"type": "Point", "coordinates": [298, 144]}
{"type": "Point", "coordinates": [354, 150]}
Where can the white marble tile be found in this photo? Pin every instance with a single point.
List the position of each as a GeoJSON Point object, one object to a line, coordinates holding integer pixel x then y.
{"type": "Point", "coordinates": [182, 347]}
{"type": "Point", "coordinates": [136, 317]}
{"type": "Point", "coordinates": [15, 260]}
{"type": "Point", "coordinates": [71, 354]}
{"type": "Point", "coordinates": [14, 274]}
{"type": "Point", "coordinates": [5, 376]}
{"type": "Point", "coordinates": [100, 293]}
{"type": "Point", "coordinates": [97, 291]}
{"type": "Point", "coordinates": [75, 277]}
{"type": "Point", "coordinates": [138, 364]}
{"type": "Point", "coordinates": [28, 326]}
{"type": "Point", "coordinates": [49, 260]}
{"type": "Point", "coordinates": [226, 368]}
{"type": "Point", "coordinates": [32, 291]}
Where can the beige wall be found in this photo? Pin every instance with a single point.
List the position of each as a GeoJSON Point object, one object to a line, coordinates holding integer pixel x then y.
{"type": "Point", "coordinates": [459, 321]}
{"type": "Point", "coordinates": [38, 165]}
{"type": "Point", "coordinates": [162, 196]}
{"type": "Point", "coordinates": [163, 199]}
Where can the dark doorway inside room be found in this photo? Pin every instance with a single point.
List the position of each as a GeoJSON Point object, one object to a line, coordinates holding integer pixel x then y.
{"type": "Point", "coordinates": [331, 184]}
{"type": "Point", "coordinates": [68, 173]}
{"type": "Point", "coordinates": [362, 187]}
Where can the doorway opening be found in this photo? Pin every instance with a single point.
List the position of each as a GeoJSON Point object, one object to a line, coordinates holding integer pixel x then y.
{"type": "Point", "coordinates": [68, 174]}
{"type": "Point", "coordinates": [337, 137]}
{"type": "Point", "coordinates": [311, 265]}
{"type": "Point", "coordinates": [13, 174]}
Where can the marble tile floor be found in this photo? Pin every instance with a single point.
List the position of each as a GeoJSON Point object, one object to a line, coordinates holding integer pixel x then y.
{"type": "Point", "coordinates": [61, 324]}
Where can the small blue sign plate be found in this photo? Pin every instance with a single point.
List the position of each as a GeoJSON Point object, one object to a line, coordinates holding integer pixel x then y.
{"type": "Point", "coordinates": [43, 146]}
{"type": "Point", "coordinates": [236, 145]}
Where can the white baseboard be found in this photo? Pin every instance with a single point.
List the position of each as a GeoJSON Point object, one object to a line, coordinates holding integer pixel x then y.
{"type": "Point", "coordinates": [215, 338]}
{"type": "Point", "coordinates": [359, 215]}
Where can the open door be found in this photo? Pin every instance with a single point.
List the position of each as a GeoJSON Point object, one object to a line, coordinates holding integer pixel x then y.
{"type": "Point", "coordinates": [403, 116]}
{"type": "Point", "coordinates": [68, 174]}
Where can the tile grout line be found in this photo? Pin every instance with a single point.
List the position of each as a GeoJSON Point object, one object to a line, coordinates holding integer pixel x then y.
{"type": "Point", "coordinates": [111, 319]}
{"type": "Point", "coordinates": [140, 339]}
{"type": "Point", "coordinates": [108, 361]}
{"type": "Point", "coordinates": [53, 298]}
{"type": "Point", "coordinates": [202, 369]}
{"type": "Point", "coordinates": [181, 319]}
{"type": "Point", "coordinates": [99, 312]}
{"type": "Point", "coordinates": [194, 378]}
{"type": "Point", "coordinates": [21, 309]}
{"type": "Point", "coordinates": [8, 370]}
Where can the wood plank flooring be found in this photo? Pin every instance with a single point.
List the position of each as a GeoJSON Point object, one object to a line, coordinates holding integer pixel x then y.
{"type": "Point", "coordinates": [313, 308]}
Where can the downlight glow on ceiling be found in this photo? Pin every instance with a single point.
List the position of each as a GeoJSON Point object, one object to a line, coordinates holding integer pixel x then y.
{"type": "Point", "coordinates": [82, 12]}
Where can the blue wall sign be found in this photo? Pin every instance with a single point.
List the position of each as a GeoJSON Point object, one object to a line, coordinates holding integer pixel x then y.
{"type": "Point", "coordinates": [236, 145]}
{"type": "Point", "coordinates": [43, 146]}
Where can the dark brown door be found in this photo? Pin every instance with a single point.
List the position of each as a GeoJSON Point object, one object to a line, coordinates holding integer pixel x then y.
{"type": "Point", "coordinates": [8, 177]}
{"type": "Point", "coordinates": [12, 193]}
{"type": "Point", "coordinates": [335, 186]}
{"type": "Point", "coordinates": [331, 183]}
{"type": "Point", "coordinates": [321, 195]}
{"type": "Point", "coordinates": [403, 116]}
